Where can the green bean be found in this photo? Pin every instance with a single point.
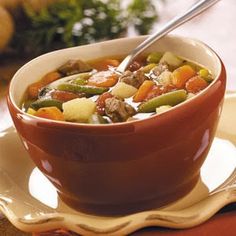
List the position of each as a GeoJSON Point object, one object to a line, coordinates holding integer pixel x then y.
{"type": "Point", "coordinates": [46, 103]}
{"type": "Point", "coordinates": [171, 99]}
{"type": "Point", "coordinates": [154, 57]}
{"type": "Point", "coordinates": [90, 90]}
{"type": "Point", "coordinates": [97, 119]}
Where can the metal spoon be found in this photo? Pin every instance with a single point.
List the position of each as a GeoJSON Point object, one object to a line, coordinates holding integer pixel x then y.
{"type": "Point", "coordinates": [193, 11]}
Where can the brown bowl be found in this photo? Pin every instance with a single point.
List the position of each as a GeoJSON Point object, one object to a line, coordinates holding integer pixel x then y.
{"type": "Point", "coordinates": [125, 167]}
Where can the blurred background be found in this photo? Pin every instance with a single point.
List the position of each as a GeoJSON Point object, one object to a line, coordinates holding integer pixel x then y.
{"type": "Point", "coordinates": [29, 28]}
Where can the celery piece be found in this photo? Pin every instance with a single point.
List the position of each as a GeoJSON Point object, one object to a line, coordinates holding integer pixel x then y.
{"type": "Point", "coordinates": [171, 59]}
{"type": "Point", "coordinates": [148, 68]}
{"type": "Point", "coordinates": [154, 57]}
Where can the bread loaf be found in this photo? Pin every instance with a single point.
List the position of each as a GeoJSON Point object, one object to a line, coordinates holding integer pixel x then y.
{"type": "Point", "coordinates": [6, 28]}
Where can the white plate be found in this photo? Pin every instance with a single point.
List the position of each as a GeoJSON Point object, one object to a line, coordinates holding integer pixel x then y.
{"type": "Point", "coordinates": [31, 203]}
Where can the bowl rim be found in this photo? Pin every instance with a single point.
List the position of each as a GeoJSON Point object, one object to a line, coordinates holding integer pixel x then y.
{"type": "Point", "coordinates": [32, 118]}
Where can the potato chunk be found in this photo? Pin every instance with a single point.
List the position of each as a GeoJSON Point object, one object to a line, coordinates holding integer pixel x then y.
{"type": "Point", "coordinates": [123, 90]}
{"type": "Point", "coordinates": [79, 109]}
{"type": "Point", "coordinates": [162, 109]}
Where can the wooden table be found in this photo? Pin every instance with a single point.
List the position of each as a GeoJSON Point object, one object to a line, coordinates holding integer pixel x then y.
{"type": "Point", "coordinates": [216, 28]}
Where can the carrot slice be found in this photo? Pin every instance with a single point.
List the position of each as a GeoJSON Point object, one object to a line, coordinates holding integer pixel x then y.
{"type": "Point", "coordinates": [104, 64]}
{"type": "Point", "coordinates": [50, 77]}
{"type": "Point", "coordinates": [196, 84]}
{"type": "Point", "coordinates": [181, 75]}
{"type": "Point", "coordinates": [143, 91]}
{"type": "Point", "coordinates": [52, 113]}
{"type": "Point", "coordinates": [34, 88]}
{"type": "Point", "coordinates": [103, 79]}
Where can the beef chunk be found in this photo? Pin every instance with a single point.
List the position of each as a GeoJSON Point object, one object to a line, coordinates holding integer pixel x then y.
{"type": "Point", "coordinates": [74, 67]}
{"type": "Point", "coordinates": [133, 78]}
{"type": "Point", "coordinates": [118, 110]}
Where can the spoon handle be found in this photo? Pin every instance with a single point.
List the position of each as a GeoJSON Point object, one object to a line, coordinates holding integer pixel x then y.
{"type": "Point", "coordinates": [196, 9]}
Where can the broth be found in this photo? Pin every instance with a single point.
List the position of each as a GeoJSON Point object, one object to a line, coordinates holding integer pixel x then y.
{"type": "Point", "coordinates": [93, 92]}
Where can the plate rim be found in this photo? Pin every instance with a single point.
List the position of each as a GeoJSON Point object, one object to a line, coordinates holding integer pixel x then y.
{"type": "Point", "coordinates": [52, 221]}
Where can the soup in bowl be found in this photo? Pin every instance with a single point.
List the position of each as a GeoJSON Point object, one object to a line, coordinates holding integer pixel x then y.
{"type": "Point", "coordinates": [96, 93]}
{"type": "Point", "coordinates": [116, 143]}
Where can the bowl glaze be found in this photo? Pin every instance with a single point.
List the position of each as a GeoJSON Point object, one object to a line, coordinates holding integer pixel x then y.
{"type": "Point", "coordinates": [125, 167]}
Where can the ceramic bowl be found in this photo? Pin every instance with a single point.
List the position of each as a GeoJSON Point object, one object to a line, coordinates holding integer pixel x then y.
{"type": "Point", "coordinates": [124, 167]}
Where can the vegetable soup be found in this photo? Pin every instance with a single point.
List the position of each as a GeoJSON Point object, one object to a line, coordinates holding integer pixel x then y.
{"type": "Point", "coordinates": [95, 93]}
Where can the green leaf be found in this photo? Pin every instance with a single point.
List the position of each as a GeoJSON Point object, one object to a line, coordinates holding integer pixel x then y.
{"type": "Point", "coordinates": [75, 22]}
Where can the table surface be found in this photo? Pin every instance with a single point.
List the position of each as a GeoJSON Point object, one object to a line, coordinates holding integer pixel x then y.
{"type": "Point", "coordinates": [216, 28]}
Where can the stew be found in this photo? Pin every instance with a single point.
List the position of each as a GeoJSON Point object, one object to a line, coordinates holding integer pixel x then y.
{"type": "Point", "coordinates": [95, 93]}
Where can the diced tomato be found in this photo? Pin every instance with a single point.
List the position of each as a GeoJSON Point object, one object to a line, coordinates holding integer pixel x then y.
{"type": "Point", "coordinates": [158, 90]}
{"type": "Point", "coordinates": [64, 96]}
{"type": "Point", "coordinates": [196, 84]}
{"type": "Point", "coordinates": [168, 88]}
{"type": "Point", "coordinates": [103, 79]}
{"type": "Point", "coordinates": [101, 102]}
